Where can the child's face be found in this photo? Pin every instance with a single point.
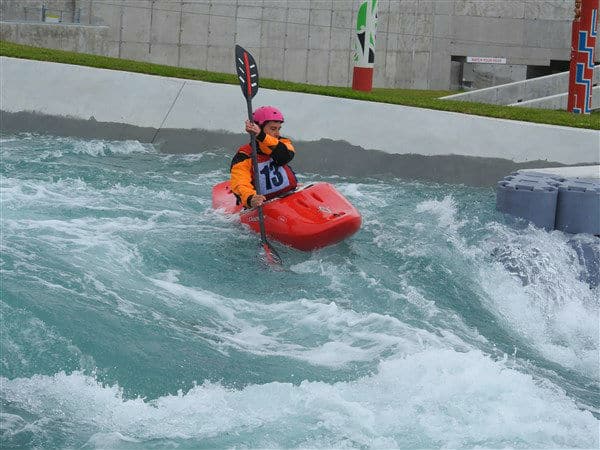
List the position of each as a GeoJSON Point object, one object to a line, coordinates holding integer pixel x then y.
{"type": "Point", "coordinates": [272, 129]}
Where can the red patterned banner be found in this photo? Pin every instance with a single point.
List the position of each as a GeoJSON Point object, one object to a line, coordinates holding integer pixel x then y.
{"type": "Point", "coordinates": [581, 72]}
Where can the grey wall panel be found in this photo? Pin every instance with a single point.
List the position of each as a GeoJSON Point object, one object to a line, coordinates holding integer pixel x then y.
{"type": "Point", "coordinates": [414, 6]}
{"type": "Point", "coordinates": [136, 21]}
{"type": "Point", "coordinates": [426, 6]}
{"type": "Point", "coordinates": [250, 11]}
{"type": "Point", "coordinates": [69, 39]}
{"type": "Point", "coordinates": [388, 71]}
{"type": "Point", "coordinates": [248, 31]}
{"type": "Point", "coordinates": [379, 72]}
{"type": "Point", "coordinates": [135, 50]}
{"type": "Point", "coordinates": [442, 25]}
{"type": "Point", "coordinates": [109, 15]}
{"type": "Point", "coordinates": [444, 8]}
{"type": "Point", "coordinates": [423, 43]}
{"type": "Point", "coordinates": [549, 10]}
{"type": "Point", "coordinates": [438, 75]}
{"type": "Point", "coordinates": [297, 36]}
{"type": "Point", "coordinates": [319, 37]}
{"type": "Point", "coordinates": [297, 14]}
{"type": "Point", "coordinates": [273, 34]}
{"type": "Point", "coordinates": [420, 68]}
{"type": "Point", "coordinates": [404, 72]}
{"type": "Point", "coordinates": [423, 25]}
{"type": "Point", "coordinates": [87, 39]}
{"type": "Point", "coordinates": [194, 26]}
{"type": "Point", "coordinates": [383, 14]}
{"type": "Point", "coordinates": [338, 67]}
{"type": "Point", "coordinates": [113, 49]}
{"type": "Point", "coordinates": [194, 56]}
{"type": "Point", "coordinates": [545, 33]}
{"type": "Point", "coordinates": [562, 54]}
{"type": "Point", "coordinates": [11, 11]}
{"type": "Point", "coordinates": [295, 62]}
{"type": "Point", "coordinates": [164, 54]}
{"type": "Point", "coordinates": [511, 9]}
{"type": "Point", "coordinates": [9, 32]}
{"type": "Point", "coordinates": [271, 60]}
{"type": "Point", "coordinates": [340, 40]}
{"type": "Point", "coordinates": [318, 66]}
{"type": "Point", "coordinates": [341, 18]}
{"type": "Point", "coordinates": [166, 22]}
{"type": "Point", "coordinates": [488, 30]}
{"type": "Point", "coordinates": [321, 17]}
{"type": "Point", "coordinates": [220, 59]}
{"type": "Point", "coordinates": [272, 3]}
{"type": "Point", "coordinates": [221, 31]}
{"type": "Point", "coordinates": [321, 4]}
{"type": "Point", "coordinates": [407, 25]}
{"type": "Point", "coordinates": [223, 8]}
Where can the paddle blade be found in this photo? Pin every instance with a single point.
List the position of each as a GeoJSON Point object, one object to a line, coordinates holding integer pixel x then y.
{"type": "Point", "coordinates": [247, 72]}
{"type": "Point", "coordinates": [270, 255]}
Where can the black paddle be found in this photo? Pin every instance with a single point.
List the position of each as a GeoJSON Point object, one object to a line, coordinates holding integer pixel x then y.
{"type": "Point", "coordinates": [247, 72]}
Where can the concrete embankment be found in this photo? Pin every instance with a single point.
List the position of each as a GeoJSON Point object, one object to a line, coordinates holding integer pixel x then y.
{"type": "Point", "coordinates": [332, 135]}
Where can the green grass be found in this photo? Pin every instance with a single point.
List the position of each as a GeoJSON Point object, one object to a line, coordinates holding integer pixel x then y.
{"type": "Point", "coordinates": [407, 97]}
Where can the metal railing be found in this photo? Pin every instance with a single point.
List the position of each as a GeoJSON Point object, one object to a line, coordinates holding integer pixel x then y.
{"type": "Point", "coordinates": [50, 15]}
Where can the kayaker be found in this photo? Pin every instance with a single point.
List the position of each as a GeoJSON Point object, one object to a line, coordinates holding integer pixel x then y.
{"type": "Point", "coordinates": [274, 152]}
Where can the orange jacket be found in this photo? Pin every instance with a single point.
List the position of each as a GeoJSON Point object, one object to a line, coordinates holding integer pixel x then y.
{"type": "Point", "coordinates": [279, 151]}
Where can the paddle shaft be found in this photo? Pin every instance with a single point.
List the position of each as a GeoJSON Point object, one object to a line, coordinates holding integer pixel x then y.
{"type": "Point", "coordinates": [261, 220]}
{"type": "Point", "coordinates": [248, 75]}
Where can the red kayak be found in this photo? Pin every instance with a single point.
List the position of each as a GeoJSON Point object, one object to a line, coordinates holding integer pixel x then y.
{"type": "Point", "coordinates": [313, 216]}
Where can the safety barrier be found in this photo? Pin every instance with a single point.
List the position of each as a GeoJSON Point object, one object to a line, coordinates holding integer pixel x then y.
{"type": "Point", "coordinates": [552, 202]}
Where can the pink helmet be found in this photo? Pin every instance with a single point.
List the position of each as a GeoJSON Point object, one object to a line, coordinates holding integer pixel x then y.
{"type": "Point", "coordinates": [267, 113]}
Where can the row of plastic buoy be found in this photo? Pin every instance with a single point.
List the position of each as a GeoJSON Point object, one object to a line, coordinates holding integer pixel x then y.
{"type": "Point", "coordinates": [552, 202]}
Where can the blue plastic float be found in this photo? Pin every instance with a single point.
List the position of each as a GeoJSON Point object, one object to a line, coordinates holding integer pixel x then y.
{"type": "Point", "coordinates": [552, 202]}
{"type": "Point", "coordinates": [578, 207]}
{"type": "Point", "coordinates": [529, 196]}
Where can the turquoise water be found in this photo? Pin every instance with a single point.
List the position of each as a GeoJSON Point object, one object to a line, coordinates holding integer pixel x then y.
{"type": "Point", "coordinates": [135, 316]}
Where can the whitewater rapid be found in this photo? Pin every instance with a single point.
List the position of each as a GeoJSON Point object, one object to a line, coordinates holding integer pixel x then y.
{"type": "Point", "coordinates": [134, 315]}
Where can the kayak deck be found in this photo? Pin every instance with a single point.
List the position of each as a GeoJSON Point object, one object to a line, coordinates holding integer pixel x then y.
{"type": "Point", "coordinates": [313, 216]}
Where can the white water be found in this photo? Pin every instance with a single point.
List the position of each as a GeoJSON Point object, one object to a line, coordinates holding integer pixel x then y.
{"type": "Point", "coordinates": [133, 315]}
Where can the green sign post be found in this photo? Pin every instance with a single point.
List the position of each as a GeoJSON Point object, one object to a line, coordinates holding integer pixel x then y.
{"type": "Point", "coordinates": [364, 46]}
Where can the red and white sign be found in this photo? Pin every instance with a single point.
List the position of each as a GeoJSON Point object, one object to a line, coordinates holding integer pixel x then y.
{"type": "Point", "coordinates": [485, 60]}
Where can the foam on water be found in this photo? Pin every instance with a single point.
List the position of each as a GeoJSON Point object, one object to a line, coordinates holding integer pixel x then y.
{"type": "Point", "coordinates": [134, 315]}
{"type": "Point", "coordinates": [542, 297]}
{"type": "Point", "coordinates": [433, 398]}
{"type": "Point", "coordinates": [534, 285]}
{"type": "Point", "coordinates": [58, 147]}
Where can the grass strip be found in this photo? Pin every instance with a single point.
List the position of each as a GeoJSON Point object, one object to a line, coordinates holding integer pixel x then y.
{"type": "Point", "coordinates": [407, 97]}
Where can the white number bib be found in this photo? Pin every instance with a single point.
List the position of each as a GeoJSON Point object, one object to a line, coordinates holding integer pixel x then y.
{"type": "Point", "coordinates": [271, 178]}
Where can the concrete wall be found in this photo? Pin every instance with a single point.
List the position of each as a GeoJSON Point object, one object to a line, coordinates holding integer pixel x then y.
{"type": "Point", "coordinates": [66, 11]}
{"type": "Point", "coordinates": [558, 101]}
{"type": "Point", "coordinates": [72, 37]}
{"type": "Point", "coordinates": [311, 40]}
{"type": "Point", "coordinates": [332, 135]}
{"type": "Point", "coordinates": [525, 92]}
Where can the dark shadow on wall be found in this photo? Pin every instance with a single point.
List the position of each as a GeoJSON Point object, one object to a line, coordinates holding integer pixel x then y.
{"type": "Point", "coordinates": [329, 157]}
{"type": "Point", "coordinates": [325, 157]}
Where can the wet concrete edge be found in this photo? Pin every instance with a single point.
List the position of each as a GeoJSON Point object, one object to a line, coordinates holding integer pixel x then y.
{"type": "Point", "coordinates": [324, 157]}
